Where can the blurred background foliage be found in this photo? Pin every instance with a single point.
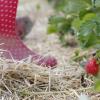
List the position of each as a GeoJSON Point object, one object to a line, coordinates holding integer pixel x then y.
{"type": "Point", "coordinates": [79, 18]}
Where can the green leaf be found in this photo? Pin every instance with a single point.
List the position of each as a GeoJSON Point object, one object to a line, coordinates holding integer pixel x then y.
{"type": "Point", "coordinates": [86, 35]}
{"type": "Point", "coordinates": [86, 28]}
{"type": "Point", "coordinates": [88, 17]}
{"type": "Point", "coordinates": [76, 24]}
{"type": "Point", "coordinates": [71, 6]}
{"type": "Point", "coordinates": [56, 19]}
{"type": "Point", "coordinates": [97, 85]}
{"type": "Point", "coordinates": [64, 27]}
{"type": "Point", "coordinates": [74, 6]}
{"type": "Point", "coordinates": [59, 24]}
{"type": "Point", "coordinates": [84, 12]}
{"type": "Point", "coordinates": [52, 29]}
{"type": "Point", "coordinates": [59, 5]}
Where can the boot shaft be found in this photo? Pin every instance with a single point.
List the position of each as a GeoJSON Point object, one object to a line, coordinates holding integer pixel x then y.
{"type": "Point", "coordinates": [7, 16]}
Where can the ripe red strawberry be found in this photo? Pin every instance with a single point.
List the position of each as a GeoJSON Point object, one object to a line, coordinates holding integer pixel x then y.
{"type": "Point", "coordinates": [92, 67]}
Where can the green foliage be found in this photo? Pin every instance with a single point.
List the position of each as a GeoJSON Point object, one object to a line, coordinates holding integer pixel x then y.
{"type": "Point", "coordinates": [70, 6]}
{"type": "Point", "coordinates": [97, 85]}
{"type": "Point", "coordinates": [87, 34]}
{"type": "Point", "coordinates": [83, 16]}
{"type": "Point", "coordinates": [59, 24]}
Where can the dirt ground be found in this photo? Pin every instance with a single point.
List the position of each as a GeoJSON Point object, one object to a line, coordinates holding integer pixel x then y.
{"type": "Point", "coordinates": [27, 81]}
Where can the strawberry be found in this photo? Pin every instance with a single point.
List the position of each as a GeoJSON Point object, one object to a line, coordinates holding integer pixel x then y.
{"type": "Point", "coordinates": [92, 67]}
{"type": "Point", "coordinates": [48, 62]}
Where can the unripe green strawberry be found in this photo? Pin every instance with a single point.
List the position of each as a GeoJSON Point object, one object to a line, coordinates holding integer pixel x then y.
{"type": "Point", "coordinates": [92, 67]}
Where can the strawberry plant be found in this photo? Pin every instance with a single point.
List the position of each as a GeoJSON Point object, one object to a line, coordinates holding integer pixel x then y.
{"type": "Point", "coordinates": [80, 17]}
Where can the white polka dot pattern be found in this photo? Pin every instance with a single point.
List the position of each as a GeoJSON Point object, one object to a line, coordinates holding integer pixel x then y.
{"type": "Point", "coordinates": [11, 42]}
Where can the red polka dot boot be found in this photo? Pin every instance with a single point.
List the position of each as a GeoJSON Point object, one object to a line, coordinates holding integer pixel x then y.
{"type": "Point", "coordinates": [12, 45]}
